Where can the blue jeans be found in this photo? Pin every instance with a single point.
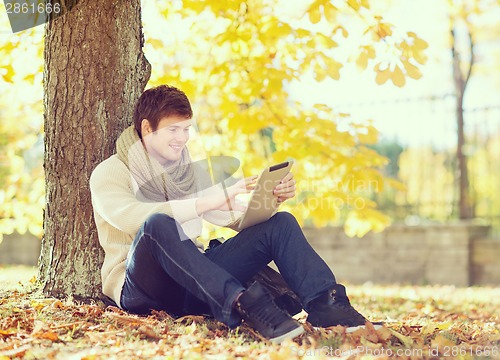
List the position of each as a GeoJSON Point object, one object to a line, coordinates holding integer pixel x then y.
{"type": "Point", "coordinates": [165, 273]}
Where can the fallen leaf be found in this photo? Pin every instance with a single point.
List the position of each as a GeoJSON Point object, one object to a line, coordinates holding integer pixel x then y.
{"type": "Point", "coordinates": [369, 344]}
{"type": "Point", "coordinates": [57, 305]}
{"type": "Point", "coordinates": [440, 341]}
{"type": "Point", "coordinates": [7, 333]}
{"type": "Point", "coordinates": [432, 327]}
{"type": "Point", "coordinates": [115, 309]}
{"type": "Point", "coordinates": [312, 341]}
{"type": "Point", "coordinates": [149, 332]}
{"type": "Point", "coordinates": [384, 334]}
{"type": "Point", "coordinates": [359, 332]}
{"type": "Point", "coordinates": [190, 329]}
{"type": "Point", "coordinates": [405, 340]}
{"type": "Point", "coordinates": [126, 320]}
{"type": "Point", "coordinates": [188, 319]}
{"type": "Point", "coordinates": [17, 352]}
{"type": "Point", "coordinates": [371, 333]}
{"type": "Point", "coordinates": [161, 315]}
{"type": "Point", "coordinates": [89, 357]}
{"type": "Point", "coordinates": [38, 305]}
{"type": "Point", "coordinates": [48, 335]}
{"type": "Point", "coordinates": [94, 311]}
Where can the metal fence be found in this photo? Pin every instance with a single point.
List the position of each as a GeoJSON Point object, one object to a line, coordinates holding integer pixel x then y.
{"type": "Point", "coordinates": [426, 130]}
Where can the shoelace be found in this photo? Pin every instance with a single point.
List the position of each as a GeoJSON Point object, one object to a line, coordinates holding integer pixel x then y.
{"type": "Point", "coordinates": [268, 313]}
{"type": "Point", "coordinates": [346, 305]}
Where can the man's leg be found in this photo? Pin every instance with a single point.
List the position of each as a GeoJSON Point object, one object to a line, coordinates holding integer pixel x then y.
{"type": "Point", "coordinates": [161, 268]}
{"type": "Point", "coordinates": [159, 242]}
{"type": "Point", "coordinates": [280, 239]}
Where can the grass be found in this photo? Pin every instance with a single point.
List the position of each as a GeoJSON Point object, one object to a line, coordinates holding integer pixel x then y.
{"type": "Point", "coordinates": [421, 322]}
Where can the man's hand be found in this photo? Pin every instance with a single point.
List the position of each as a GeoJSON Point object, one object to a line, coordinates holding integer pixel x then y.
{"type": "Point", "coordinates": [243, 186]}
{"type": "Point", "coordinates": [218, 198]}
{"type": "Point", "coordinates": [286, 189]}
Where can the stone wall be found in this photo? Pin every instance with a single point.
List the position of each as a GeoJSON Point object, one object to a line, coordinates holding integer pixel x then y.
{"type": "Point", "coordinates": [20, 249]}
{"type": "Point", "coordinates": [430, 254]}
{"type": "Point", "coordinates": [459, 254]}
{"type": "Point", "coordinates": [486, 262]}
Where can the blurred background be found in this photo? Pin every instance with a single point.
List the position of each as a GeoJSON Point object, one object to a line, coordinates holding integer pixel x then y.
{"type": "Point", "coordinates": [390, 109]}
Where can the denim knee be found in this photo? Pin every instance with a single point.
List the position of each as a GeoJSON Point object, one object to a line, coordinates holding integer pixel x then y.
{"type": "Point", "coordinates": [160, 223]}
{"type": "Point", "coordinates": [284, 218]}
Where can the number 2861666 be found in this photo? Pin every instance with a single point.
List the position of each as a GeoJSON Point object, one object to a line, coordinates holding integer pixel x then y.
{"type": "Point", "coordinates": [25, 8]}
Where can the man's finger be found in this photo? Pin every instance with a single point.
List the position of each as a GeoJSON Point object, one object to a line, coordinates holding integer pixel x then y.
{"type": "Point", "coordinates": [251, 179]}
{"type": "Point", "coordinates": [286, 185]}
{"type": "Point", "coordinates": [282, 190]}
{"type": "Point", "coordinates": [287, 178]}
{"type": "Point", "coordinates": [287, 195]}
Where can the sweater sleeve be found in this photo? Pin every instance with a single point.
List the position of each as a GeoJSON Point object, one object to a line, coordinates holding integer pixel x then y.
{"type": "Point", "coordinates": [222, 218]}
{"type": "Point", "coordinates": [229, 219]}
{"type": "Point", "coordinates": [114, 200]}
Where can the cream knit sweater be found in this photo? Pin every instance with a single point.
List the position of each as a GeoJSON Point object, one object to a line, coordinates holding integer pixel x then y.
{"type": "Point", "coordinates": [120, 209]}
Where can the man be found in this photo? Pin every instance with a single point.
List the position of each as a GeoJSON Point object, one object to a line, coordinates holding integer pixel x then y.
{"type": "Point", "coordinates": [148, 204]}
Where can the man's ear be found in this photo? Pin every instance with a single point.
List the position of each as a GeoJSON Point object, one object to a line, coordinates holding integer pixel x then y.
{"type": "Point", "coordinates": [145, 127]}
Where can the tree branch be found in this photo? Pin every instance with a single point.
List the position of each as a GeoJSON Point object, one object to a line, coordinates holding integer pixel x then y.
{"type": "Point", "coordinates": [471, 49]}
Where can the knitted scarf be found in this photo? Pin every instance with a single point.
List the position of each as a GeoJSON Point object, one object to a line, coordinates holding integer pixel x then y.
{"type": "Point", "coordinates": [156, 182]}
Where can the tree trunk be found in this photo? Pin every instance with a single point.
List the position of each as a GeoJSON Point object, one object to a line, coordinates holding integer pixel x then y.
{"type": "Point", "coordinates": [95, 71]}
{"type": "Point", "coordinates": [465, 206]}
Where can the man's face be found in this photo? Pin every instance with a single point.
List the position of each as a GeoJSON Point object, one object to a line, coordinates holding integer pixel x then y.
{"type": "Point", "coordinates": [167, 142]}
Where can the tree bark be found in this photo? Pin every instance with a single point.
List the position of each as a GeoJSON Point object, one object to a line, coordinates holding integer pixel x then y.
{"type": "Point", "coordinates": [465, 206]}
{"type": "Point", "coordinates": [95, 71]}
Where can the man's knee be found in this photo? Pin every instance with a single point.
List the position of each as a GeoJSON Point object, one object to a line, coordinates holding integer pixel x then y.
{"type": "Point", "coordinates": [284, 218]}
{"type": "Point", "coordinates": [161, 222]}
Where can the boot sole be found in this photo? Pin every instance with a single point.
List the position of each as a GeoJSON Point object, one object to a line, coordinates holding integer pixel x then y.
{"type": "Point", "coordinates": [317, 323]}
{"type": "Point", "coordinates": [289, 335]}
{"type": "Point", "coordinates": [351, 329]}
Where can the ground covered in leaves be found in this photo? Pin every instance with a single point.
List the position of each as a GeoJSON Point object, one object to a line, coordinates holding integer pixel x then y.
{"type": "Point", "coordinates": [421, 322]}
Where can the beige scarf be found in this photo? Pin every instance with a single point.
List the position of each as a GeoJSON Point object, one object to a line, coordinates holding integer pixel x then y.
{"type": "Point", "coordinates": [156, 182]}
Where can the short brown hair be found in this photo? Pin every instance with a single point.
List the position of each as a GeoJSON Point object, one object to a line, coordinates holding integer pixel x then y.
{"type": "Point", "coordinates": [156, 103]}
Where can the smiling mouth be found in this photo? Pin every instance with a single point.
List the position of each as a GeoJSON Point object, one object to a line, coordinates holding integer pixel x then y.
{"type": "Point", "coordinates": [176, 147]}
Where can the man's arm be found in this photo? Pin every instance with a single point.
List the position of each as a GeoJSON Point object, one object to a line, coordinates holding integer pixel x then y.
{"type": "Point", "coordinates": [114, 200]}
{"type": "Point", "coordinates": [224, 218]}
{"type": "Point", "coordinates": [230, 219]}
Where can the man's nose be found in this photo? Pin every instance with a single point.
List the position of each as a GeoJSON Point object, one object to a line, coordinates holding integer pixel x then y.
{"type": "Point", "coordinates": [182, 136]}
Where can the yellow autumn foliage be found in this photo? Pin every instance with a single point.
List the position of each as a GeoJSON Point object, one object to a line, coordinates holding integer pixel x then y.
{"type": "Point", "coordinates": [241, 60]}
{"type": "Point", "coordinates": [21, 112]}
{"type": "Point", "coordinates": [235, 61]}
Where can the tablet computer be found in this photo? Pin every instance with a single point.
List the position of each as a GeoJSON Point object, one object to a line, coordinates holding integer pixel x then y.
{"type": "Point", "coordinates": [263, 204]}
